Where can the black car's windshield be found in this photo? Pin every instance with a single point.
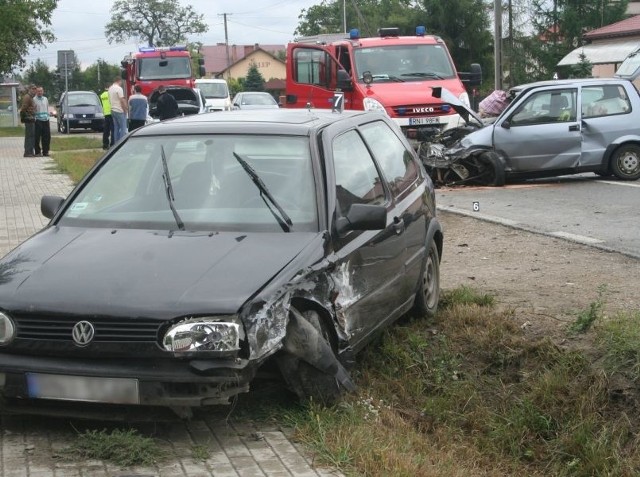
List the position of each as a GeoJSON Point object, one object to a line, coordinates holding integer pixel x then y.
{"type": "Point", "coordinates": [405, 62]}
{"type": "Point", "coordinates": [83, 99]}
{"type": "Point", "coordinates": [208, 187]}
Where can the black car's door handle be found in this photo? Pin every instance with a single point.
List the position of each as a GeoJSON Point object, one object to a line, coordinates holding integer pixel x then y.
{"type": "Point", "coordinates": [574, 127]}
{"type": "Point", "coordinates": [398, 225]}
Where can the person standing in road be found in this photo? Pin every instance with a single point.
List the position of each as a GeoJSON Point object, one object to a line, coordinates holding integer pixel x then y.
{"type": "Point", "coordinates": [119, 108]}
{"type": "Point", "coordinates": [28, 118]}
{"type": "Point", "coordinates": [138, 109]}
{"type": "Point", "coordinates": [167, 104]}
{"type": "Point", "coordinates": [107, 130]}
{"type": "Point", "coordinates": [42, 129]}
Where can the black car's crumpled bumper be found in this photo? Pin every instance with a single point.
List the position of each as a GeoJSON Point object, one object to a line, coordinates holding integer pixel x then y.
{"type": "Point", "coordinates": [159, 382]}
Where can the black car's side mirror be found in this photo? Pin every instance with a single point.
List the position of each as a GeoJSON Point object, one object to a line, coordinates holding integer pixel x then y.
{"type": "Point", "coordinates": [49, 205]}
{"type": "Point", "coordinates": [363, 217]}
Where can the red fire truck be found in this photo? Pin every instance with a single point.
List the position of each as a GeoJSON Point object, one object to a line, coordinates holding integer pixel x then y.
{"type": "Point", "coordinates": [390, 73]}
{"type": "Point", "coordinates": [151, 67]}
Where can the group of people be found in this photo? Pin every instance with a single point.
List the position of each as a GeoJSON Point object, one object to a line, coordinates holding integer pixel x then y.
{"type": "Point", "coordinates": [34, 114]}
{"type": "Point", "coordinates": [117, 108]}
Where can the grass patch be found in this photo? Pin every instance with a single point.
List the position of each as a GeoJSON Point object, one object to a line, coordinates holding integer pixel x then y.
{"type": "Point", "coordinates": [12, 131]}
{"type": "Point", "coordinates": [586, 318]}
{"type": "Point", "coordinates": [619, 337]}
{"type": "Point", "coordinates": [76, 163]}
{"type": "Point", "coordinates": [122, 447]}
{"type": "Point", "coordinates": [472, 394]}
{"type": "Point", "coordinates": [68, 143]}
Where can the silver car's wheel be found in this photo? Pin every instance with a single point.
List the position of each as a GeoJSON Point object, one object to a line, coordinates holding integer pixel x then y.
{"type": "Point", "coordinates": [625, 162]}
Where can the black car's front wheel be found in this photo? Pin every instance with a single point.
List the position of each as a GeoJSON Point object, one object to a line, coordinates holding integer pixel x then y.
{"type": "Point", "coordinates": [625, 162]}
{"type": "Point", "coordinates": [310, 364]}
{"type": "Point", "coordinates": [428, 294]}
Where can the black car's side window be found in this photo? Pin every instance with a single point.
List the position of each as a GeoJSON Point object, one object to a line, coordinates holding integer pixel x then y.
{"type": "Point", "coordinates": [357, 178]}
{"type": "Point", "coordinates": [395, 160]}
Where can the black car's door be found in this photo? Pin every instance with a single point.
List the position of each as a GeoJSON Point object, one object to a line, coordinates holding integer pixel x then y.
{"type": "Point", "coordinates": [369, 264]}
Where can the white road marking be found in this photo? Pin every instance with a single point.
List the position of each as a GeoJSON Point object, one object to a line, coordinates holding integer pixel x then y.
{"type": "Point", "coordinates": [488, 218]}
{"type": "Point", "coordinates": [576, 238]}
{"type": "Point", "coordinates": [628, 184]}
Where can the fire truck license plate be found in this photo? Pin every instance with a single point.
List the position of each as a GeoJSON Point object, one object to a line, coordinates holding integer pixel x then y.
{"type": "Point", "coordinates": [420, 121]}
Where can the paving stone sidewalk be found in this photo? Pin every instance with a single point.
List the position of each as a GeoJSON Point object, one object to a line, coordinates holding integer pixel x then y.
{"type": "Point", "coordinates": [34, 447]}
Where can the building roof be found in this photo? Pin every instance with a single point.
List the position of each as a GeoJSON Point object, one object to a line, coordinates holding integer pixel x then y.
{"type": "Point", "coordinates": [215, 56]}
{"type": "Point", "coordinates": [602, 53]}
{"type": "Point", "coordinates": [628, 27]}
{"type": "Point", "coordinates": [251, 53]}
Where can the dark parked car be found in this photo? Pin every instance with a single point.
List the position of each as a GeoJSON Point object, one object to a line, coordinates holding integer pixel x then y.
{"type": "Point", "coordinates": [80, 110]}
{"type": "Point", "coordinates": [201, 248]}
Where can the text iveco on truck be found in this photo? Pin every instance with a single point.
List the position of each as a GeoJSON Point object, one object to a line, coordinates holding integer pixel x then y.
{"type": "Point", "coordinates": [390, 73]}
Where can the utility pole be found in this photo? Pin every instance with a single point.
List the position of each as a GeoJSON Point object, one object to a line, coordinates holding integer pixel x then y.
{"type": "Point", "coordinates": [497, 42]}
{"type": "Point", "coordinates": [226, 37]}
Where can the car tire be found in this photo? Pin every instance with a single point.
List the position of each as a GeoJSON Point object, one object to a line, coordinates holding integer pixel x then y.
{"type": "Point", "coordinates": [492, 161]}
{"type": "Point", "coordinates": [625, 162]}
{"type": "Point", "coordinates": [62, 127]}
{"type": "Point", "coordinates": [428, 293]}
{"type": "Point", "coordinates": [306, 380]}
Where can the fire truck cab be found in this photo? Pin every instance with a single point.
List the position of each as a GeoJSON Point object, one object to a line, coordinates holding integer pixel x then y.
{"type": "Point", "coordinates": [390, 73]}
{"type": "Point", "coordinates": [151, 67]}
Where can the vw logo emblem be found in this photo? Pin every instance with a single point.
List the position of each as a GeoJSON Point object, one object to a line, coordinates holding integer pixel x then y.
{"type": "Point", "coordinates": [82, 333]}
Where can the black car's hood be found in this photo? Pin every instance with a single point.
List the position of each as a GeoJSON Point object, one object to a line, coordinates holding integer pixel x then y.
{"type": "Point", "coordinates": [136, 272]}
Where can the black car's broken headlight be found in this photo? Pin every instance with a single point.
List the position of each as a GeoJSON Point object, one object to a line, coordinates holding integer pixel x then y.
{"type": "Point", "coordinates": [208, 334]}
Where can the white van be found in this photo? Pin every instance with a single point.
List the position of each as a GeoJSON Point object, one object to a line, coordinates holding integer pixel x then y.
{"type": "Point", "coordinates": [216, 92]}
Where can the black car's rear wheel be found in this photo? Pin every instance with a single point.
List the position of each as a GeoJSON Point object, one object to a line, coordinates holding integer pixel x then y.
{"type": "Point", "coordinates": [625, 162]}
{"type": "Point", "coordinates": [428, 294]}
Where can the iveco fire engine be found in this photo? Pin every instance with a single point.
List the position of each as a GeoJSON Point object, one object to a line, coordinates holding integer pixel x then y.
{"type": "Point", "coordinates": [390, 73]}
{"type": "Point", "coordinates": [151, 67]}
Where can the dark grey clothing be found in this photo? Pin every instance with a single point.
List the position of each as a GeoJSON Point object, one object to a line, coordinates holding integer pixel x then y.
{"type": "Point", "coordinates": [167, 106]}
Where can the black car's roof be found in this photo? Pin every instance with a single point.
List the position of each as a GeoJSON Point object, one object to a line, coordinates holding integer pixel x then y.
{"type": "Point", "coordinates": [284, 121]}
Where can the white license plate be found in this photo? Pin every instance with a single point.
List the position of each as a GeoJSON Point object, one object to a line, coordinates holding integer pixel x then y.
{"type": "Point", "coordinates": [84, 121]}
{"type": "Point", "coordinates": [83, 388]}
{"type": "Point", "coordinates": [420, 121]}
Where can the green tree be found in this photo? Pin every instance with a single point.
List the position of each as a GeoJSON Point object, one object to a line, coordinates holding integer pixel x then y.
{"type": "Point", "coordinates": [559, 26]}
{"type": "Point", "coordinates": [254, 81]}
{"type": "Point", "coordinates": [366, 15]}
{"type": "Point", "coordinates": [97, 75]}
{"type": "Point", "coordinates": [465, 27]}
{"type": "Point", "coordinates": [38, 73]}
{"type": "Point", "coordinates": [23, 23]}
{"type": "Point", "coordinates": [584, 69]}
{"type": "Point", "coordinates": [156, 22]}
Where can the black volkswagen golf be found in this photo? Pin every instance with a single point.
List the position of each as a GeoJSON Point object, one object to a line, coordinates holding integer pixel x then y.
{"type": "Point", "coordinates": [201, 248]}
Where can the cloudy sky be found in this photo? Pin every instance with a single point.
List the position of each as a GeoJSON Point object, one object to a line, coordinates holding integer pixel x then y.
{"type": "Point", "coordinates": [79, 26]}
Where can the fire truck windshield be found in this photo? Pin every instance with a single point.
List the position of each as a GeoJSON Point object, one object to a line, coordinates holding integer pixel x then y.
{"type": "Point", "coordinates": [404, 62]}
{"type": "Point", "coordinates": [168, 68]}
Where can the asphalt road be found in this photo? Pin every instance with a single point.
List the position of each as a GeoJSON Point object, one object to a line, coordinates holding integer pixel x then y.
{"type": "Point", "coordinates": [601, 212]}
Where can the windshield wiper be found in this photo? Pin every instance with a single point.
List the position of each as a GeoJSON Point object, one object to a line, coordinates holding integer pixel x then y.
{"type": "Point", "coordinates": [168, 188]}
{"type": "Point", "coordinates": [422, 74]}
{"type": "Point", "coordinates": [286, 224]}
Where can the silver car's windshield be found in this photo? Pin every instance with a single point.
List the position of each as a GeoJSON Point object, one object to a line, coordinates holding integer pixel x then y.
{"type": "Point", "coordinates": [211, 191]}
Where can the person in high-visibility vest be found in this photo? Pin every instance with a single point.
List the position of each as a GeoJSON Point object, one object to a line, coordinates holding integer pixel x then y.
{"type": "Point", "coordinates": [107, 130]}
